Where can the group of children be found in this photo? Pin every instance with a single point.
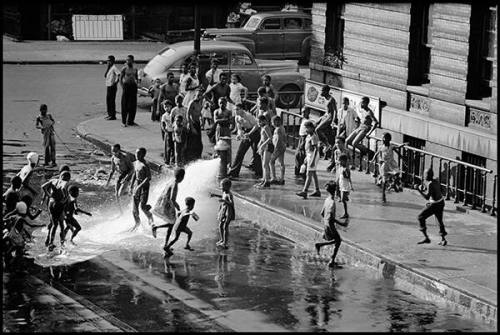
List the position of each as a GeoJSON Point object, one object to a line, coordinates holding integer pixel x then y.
{"type": "Point", "coordinates": [19, 214]}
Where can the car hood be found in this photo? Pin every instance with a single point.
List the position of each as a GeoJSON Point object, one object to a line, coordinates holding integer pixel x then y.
{"type": "Point", "coordinates": [277, 65]}
{"type": "Point", "coordinates": [227, 31]}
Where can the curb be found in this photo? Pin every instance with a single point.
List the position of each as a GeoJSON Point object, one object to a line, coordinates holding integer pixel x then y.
{"type": "Point", "coordinates": [304, 232]}
{"type": "Point", "coordinates": [55, 62]}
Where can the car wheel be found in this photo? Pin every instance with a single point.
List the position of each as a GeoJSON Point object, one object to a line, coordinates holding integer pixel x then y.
{"type": "Point", "coordinates": [288, 97]}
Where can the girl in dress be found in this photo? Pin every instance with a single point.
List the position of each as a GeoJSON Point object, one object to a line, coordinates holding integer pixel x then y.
{"type": "Point", "coordinates": [191, 84]}
{"type": "Point", "coordinates": [237, 89]}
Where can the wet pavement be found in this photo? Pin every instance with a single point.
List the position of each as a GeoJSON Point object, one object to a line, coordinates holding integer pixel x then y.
{"type": "Point", "coordinates": [262, 282]}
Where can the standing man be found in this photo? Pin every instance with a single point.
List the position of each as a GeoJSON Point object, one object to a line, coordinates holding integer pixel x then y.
{"type": "Point", "coordinates": [45, 122]}
{"type": "Point", "coordinates": [112, 76]}
{"type": "Point", "coordinates": [128, 81]}
{"type": "Point", "coordinates": [169, 91]}
{"type": "Point", "coordinates": [220, 90]}
{"type": "Point", "coordinates": [346, 125]}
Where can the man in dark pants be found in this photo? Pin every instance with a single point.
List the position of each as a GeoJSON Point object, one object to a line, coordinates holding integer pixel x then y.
{"type": "Point", "coordinates": [248, 131]}
{"type": "Point", "coordinates": [128, 81]}
{"type": "Point", "coordinates": [434, 207]}
{"type": "Point", "coordinates": [112, 76]}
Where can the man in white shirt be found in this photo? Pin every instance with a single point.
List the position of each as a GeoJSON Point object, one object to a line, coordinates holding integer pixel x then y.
{"type": "Point", "coordinates": [112, 76]}
{"type": "Point", "coordinates": [347, 117]}
{"type": "Point", "coordinates": [213, 74]}
{"type": "Point", "coordinates": [248, 132]}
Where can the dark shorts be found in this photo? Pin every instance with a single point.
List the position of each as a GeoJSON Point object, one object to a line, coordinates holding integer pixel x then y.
{"type": "Point", "coordinates": [344, 196]}
{"type": "Point", "coordinates": [331, 233]}
{"type": "Point", "coordinates": [124, 177]}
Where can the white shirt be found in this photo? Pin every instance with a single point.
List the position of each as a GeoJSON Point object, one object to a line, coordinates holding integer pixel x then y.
{"type": "Point", "coordinates": [302, 129]}
{"type": "Point", "coordinates": [112, 76]}
{"type": "Point", "coordinates": [217, 73]}
{"type": "Point", "coordinates": [236, 90]}
{"type": "Point", "coordinates": [168, 121]}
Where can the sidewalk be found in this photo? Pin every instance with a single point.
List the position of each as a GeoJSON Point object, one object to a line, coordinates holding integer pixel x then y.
{"type": "Point", "coordinates": [75, 52]}
{"type": "Point", "coordinates": [463, 274]}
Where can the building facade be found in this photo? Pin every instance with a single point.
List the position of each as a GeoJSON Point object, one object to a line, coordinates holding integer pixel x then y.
{"type": "Point", "coordinates": [433, 65]}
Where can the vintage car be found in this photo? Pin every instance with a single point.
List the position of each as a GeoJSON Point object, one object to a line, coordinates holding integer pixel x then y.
{"type": "Point", "coordinates": [275, 35]}
{"type": "Point", "coordinates": [232, 58]}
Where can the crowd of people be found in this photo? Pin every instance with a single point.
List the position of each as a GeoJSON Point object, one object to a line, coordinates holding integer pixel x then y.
{"type": "Point", "coordinates": [183, 110]}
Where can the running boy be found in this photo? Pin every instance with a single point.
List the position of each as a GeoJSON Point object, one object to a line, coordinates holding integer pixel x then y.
{"type": "Point", "coordinates": [57, 191]}
{"type": "Point", "coordinates": [279, 142]}
{"type": "Point", "coordinates": [140, 193]}
{"type": "Point", "coordinates": [331, 235]}
{"type": "Point", "coordinates": [45, 122]}
{"type": "Point", "coordinates": [71, 210]}
{"type": "Point", "coordinates": [181, 225]}
{"type": "Point", "coordinates": [344, 183]}
{"type": "Point", "coordinates": [311, 148]}
{"type": "Point", "coordinates": [434, 207]}
{"type": "Point", "coordinates": [167, 205]}
{"type": "Point", "coordinates": [166, 132]}
{"type": "Point", "coordinates": [226, 212]}
{"type": "Point", "coordinates": [121, 162]}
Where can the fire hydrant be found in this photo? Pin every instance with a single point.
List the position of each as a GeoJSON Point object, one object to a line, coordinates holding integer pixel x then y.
{"type": "Point", "coordinates": [222, 149]}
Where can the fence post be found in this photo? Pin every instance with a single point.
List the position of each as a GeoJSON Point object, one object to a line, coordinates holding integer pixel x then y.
{"type": "Point", "coordinates": [465, 186]}
{"type": "Point", "coordinates": [483, 207]}
{"type": "Point", "coordinates": [367, 161]}
{"type": "Point", "coordinates": [448, 181]}
{"type": "Point", "coordinates": [494, 196]}
{"type": "Point", "coordinates": [474, 188]}
{"type": "Point", "coordinates": [457, 177]}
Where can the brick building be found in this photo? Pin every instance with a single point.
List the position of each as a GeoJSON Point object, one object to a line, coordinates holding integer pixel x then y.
{"type": "Point", "coordinates": [433, 65]}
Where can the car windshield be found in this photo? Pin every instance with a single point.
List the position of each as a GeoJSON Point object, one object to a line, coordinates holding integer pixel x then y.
{"type": "Point", "coordinates": [161, 62]}
{"type": "Point", "coordinates": [252, 23]}
{"type": "Point", "coordinates": [167, 52]}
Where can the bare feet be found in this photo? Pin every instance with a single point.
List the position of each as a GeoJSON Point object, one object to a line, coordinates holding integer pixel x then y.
{"type": "Point", "coordinates": [425, 240]}
{"type": "Point", "coordinates": [443, 242]}
{"type": "Point", "coordinates": [187, 247]}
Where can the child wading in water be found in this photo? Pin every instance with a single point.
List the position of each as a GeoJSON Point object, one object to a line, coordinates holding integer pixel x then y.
{"type": "Point", "coordinates": [279, 142]}
{"type": "Point", "coordinates": [312, 156]}
{"type": "Point", "coordinates": [344, 183]}
{"type": "Point", "coordinates": [71, 210]}
{"type": "Point", "coordinates": [181, 225]}
{"type": "Point", "coordinates": [331, 235]}
{"type": "Point", "coordinates": [121, 162]}
{"type": "Point", "coordinates": [226, 212]}
{"type": "Point", "coordinates": [434, 207]}
{"type": "Point", "coordinates": [167, 205]}
{"type": "Point", "coordinates": [388, 167]}
{"type": "Point", "coordinates": [140, 194]}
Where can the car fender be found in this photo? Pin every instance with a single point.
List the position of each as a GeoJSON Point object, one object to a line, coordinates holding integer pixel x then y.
{"type": "Point", "coordinates": [247, 42]}
{"type": "Point", "coordinates": [282, 78]}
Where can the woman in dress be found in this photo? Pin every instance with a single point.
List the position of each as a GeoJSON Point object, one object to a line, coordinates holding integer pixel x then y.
{"type": "Point", "coordinates": [191, 83]}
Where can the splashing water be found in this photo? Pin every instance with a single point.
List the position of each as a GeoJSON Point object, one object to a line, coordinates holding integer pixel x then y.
{"type": "Point", "coordinates": [109, 229]}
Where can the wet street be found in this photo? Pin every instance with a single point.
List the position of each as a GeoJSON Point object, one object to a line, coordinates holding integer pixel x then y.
{"type": "Point", "coordinates": [262, 282]}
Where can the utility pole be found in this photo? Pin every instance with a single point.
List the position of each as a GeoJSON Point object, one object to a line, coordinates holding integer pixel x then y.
{"type": "Point", "coordinates": [197, 30]}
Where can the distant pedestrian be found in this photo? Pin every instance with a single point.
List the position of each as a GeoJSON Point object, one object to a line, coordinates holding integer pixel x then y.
{"type": "Point", "coordinates": [238, 91]}
{"type": "Point", "coordinates": [300, 153]}
{"type": "Point", "coordinates": [112, 76]}
{"type": "Point", "coordinates": [311, 147]}
{"type": "Point", "coordinates": [265, 149]}
{"type": "Point", "coordinates": [330, 234]}
{"type": "Point", "coordinates": [435, 207]}
{"type": "Point", "coordinates": [226, 212]}
{"type": "Point", "coordinates": [181, 225]}
{"type": "Point", "coordinates": [194, 141]}
{"type": "Point", "coordinates": [140, 193]}
{"type": "Point", "coordinates": [167, 130]}
{"type": "Point", "coordinates": [12, 195]}
{"type": "Point", "coordinates": [213, 75]}
{"type": "Point", "coordinates": [344, 183]}
{"type": "Point", "coordinates": [128, 82]}
{"type": "Point", "coordinates": [71, 210]}
{"type": "Point", "coordinates": [179, 136]}
{"type": "Point", "coordinates": [191, 84]}
{"type": "Point", "coordinates": [121, 162]}
{"type": "Point", "coordinates": [45, 122]}
{"type": "Point", "coordinates": [167, 205]}
{"type": "Point", "coordinates": [26, 173]}
{"type": "Point", "coordinates": [279, 142]}
{"type": "Point", "coordinates": [154, 93]}
{"type": "Point", "coordinates": [168, 91]}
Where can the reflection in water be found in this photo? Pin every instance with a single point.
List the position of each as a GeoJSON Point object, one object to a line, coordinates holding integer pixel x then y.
{"type": "Point", "coordinates": [221, 271]}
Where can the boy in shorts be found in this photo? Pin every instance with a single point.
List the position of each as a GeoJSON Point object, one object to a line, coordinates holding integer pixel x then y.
{"type": "Point", "coordinates": [344, 183]}
{"type": "Point", "coordinates": [331, 235]}
{"type": "Point", "coordinates": [121, 162]}
{"type": "Point", "coordinates": [71, 210]}
{"type": "Point", "coordinates": [181, 225]}
{"type": "Point", "coordinates": [226, 211]}
{"type": "Point", "coordinates": [140, 194]}
{"type": "Point", "coordinates": [167, 205]}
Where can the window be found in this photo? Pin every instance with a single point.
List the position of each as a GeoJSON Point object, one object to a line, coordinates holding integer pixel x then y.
{"type": "Point", "coordinates": [240, 59]}
{"type": "Point", "coordinates": [334, 30]}
{"type": "Point", "coordinates": [482, 37]}
{"type": "Point", "coordinates": [221, 57]}
{"type": "Point", "coordinates": [252, 23]}
{"type": "Point", "coordinates": [270, 24]}
{"type": "Point", "coordinates": [473, 183]}
{"type": "Point", "coordinates": [420, 43]}
{"type": "Point", "coordinates": [293, 23]}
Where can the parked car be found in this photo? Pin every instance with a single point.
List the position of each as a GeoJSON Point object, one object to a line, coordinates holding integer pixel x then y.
{"type": "Point", "coordinates": [275, 35]}
{"type": "Point", "coordinates": [232, 58]}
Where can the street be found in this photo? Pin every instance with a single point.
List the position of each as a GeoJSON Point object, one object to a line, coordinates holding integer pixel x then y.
{"type": "Point", "coordinates": [260, 282]}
